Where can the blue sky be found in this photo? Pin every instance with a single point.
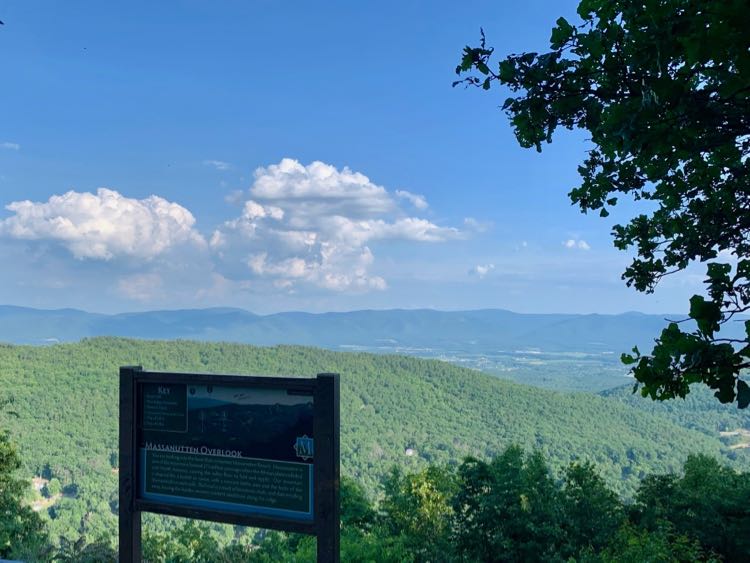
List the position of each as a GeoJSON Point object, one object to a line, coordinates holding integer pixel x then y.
{"type": "Point", "coordinates": [287, 155]}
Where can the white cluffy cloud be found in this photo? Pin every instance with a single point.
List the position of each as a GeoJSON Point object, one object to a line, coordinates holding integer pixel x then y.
{"type": "Point", "coordinates": [580, 244]}
{"type": "Point", "coordinates": [416, 200]}
{"type": "Point", "coordinates": [104, 225]}
{"type": "Point", "coordinates": [10, 146]}
{"type": "Point", "coordinates": [315, 224]}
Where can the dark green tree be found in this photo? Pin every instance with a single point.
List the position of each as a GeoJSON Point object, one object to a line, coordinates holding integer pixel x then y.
{"type": "Point", "coordinates": [709, 503]}
{"type": "Point", "coordinates": [22, 532]}
{"type": "Point", "coordinates": [507, 510]}
{"type": "Point", "coordinates": [356, 508]}
{"type": "Point", "coordinates": [417, 509]}
{"type": "Point", "coordinates": [632, 545]}
{"type": "Point", "coordinates": [663, 89]}
{"type": "Point", "coordinates": [52, 489]}
{"type": "Point", "coordinates": [592, 513]}
{"type": "Point", "coordinates": [190, 542]}
{"type": "Point", "coordinates": [79, 551]}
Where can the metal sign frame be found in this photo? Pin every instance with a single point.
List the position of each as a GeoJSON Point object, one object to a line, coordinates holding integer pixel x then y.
{"type": "Point", "coordinates": [326, 478]}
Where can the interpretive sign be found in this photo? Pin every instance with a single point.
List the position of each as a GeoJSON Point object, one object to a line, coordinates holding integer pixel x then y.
{"type": "Point", "coordinates": [256, 451]}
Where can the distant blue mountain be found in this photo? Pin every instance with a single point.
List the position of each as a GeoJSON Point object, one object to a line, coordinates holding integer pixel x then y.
{"type": "Point", "coordinates": [481, 330]}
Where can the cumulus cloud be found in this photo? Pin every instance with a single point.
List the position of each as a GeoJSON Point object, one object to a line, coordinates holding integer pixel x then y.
{"type": "Point", "coordinates": [320, 189]}
{"type": "Point", "coordinates": [10, 146]}
{"type": "Point", "coordinates": [297, 227]}
{"type": "Point", "coordinates": [481, 270]}
{"type": "Point", "coordinates": [218, 165]}
{"type": "Point", "coordinates": [104, 225]}
{"type": "Point", "coordinates": [576, 243]}
{"type": "Point", "coordinates": [416, 200]}
{"type": "Point", "coordinates": [315, 224]}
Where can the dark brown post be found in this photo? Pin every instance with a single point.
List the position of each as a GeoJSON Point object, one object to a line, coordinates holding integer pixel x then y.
{"type": "Point", "coordinates": [326, 468]}
{"type": "Point", "coordinates": [129, 518]}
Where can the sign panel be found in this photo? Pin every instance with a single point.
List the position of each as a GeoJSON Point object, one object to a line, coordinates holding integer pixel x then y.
{"type": "Point", "coordinates": [227, 447]}
{"type": "Point", "coordinates": [256, 451]}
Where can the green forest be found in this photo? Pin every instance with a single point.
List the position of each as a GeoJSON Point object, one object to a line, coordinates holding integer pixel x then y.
{"type": "Point", "coordinates": [510, 508]}
{"type": "Point", "coordinates": [422, 417]}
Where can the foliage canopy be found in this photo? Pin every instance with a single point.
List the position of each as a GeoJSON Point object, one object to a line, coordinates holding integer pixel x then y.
{"type": "Point", "coordinates": [22, 532]}
{"type": "Point", "coordinates": [663, 88]}
{"type": "Point", "coordinates": [509, 509]}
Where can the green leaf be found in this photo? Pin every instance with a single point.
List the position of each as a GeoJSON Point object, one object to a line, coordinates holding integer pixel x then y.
{"type": "Point", "coordinates": [561, 33]}
{"type": "Point", "coordinates": [627, 359]}
{"type": "Point", "coordinates": [467, 60]}
{"type": "Point", "coordinates": [743, 394]}
{"type": "Point", "coordinates": [604, 213]}
{"type": "Point", "coordinates": [706, 314]}
{"type": "Point", "coordinates": [586, 7]}
{"type": "Point", "coordinates": [724, 394]}
{"type": "Point", "coordinates": [507, 71]}
{"type": "Point", "coordinates": [743, 268]}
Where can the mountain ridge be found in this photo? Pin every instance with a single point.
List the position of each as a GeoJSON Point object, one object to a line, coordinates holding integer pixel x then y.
{"type": "Point", "coordinates": [471, 329]}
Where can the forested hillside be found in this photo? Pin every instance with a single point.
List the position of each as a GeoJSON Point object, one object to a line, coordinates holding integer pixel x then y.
{"type": "Point", "coordinates": [698, 411]}
{"type": "Point", "coordinates": [395, 411]}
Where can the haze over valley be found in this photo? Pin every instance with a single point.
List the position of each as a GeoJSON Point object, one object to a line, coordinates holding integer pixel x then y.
{"type": "Point", "coordinates": [571, 352]}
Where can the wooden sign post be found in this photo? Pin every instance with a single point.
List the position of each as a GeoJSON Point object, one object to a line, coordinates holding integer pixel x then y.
{"type": "Point", "coordinates": [251, 451]}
